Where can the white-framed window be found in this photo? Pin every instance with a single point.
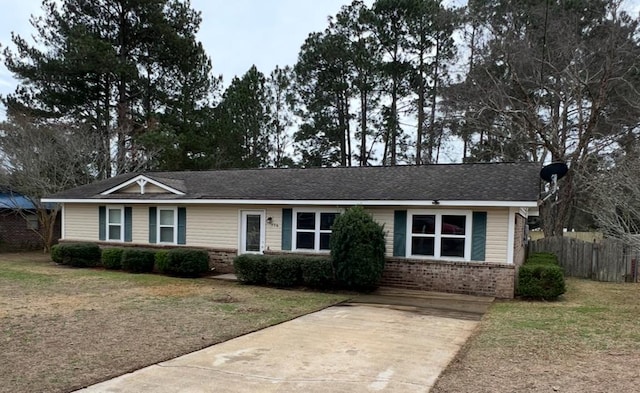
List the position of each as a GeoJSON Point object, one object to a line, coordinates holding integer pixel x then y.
{"type": "Point", "coordinates": [312, 229]}
{"type": "Point", "coordinates": [439, 234]}
{"type": "Point", "coordinates": [115, 223]}
{"type": "Point", "coordinates": [168, 225]}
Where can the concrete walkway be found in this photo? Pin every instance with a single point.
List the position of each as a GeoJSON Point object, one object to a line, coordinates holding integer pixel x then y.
{"type": "Point", "coordinates": [390, 341]}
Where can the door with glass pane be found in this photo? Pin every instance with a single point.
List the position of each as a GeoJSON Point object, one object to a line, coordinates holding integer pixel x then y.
{"type": "Point", "coordinates": [252, 231]}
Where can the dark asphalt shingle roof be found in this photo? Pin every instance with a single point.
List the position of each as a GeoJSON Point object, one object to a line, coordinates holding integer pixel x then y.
{"type": "Point", "coordinates": [462, 182]}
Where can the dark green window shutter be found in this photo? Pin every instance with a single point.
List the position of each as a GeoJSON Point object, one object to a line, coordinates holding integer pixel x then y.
{"type": "Point", "coordinates": [400, 233]}
{"type": "Point", "coordinates": [479, 236]}
{"type": "Point", "coordinates": [153, 217]}
{"type": "Point", "coordinates": [182, 225]}
{"type": "Point", "coordinates": [287, 231]}
{"type": "Point", "coordinates": [127, 224]}
{"type": "Point", "coordinates": [102, 222]}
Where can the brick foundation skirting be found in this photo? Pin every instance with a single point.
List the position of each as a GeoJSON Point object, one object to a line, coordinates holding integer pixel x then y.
{"type": "Point", "coordinates": [473, 278]}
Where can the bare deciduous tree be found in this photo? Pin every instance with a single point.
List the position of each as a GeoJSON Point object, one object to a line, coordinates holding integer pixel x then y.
{"type": "Point", "coordinates": [40, 159]}
{"type": "Point", "coordinates": [615, 204]}
{"type": "Point", "coordinates": [549, 85]}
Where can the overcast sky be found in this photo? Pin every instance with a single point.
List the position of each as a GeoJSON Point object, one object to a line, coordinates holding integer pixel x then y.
{"type": "Point", "coordinates": [236, 33]}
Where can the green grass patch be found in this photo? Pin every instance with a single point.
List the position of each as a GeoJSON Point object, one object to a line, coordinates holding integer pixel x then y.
{"type": "Point", "coordinates": [25, 276]}
{"type": "Point", "coordinates": [591, 315]}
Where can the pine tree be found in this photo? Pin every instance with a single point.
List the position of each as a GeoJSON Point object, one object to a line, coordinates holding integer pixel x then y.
{"type": "Point", "coordinates": [119, 66]}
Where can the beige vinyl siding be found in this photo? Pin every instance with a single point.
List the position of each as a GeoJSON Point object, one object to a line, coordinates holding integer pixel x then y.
{"type": "Point", "coordinates": [497, 235]}
{"type": "Point", "coordinates": [218, 226]}
{"type": "Point", "coordinates": [140, 224]}
{"type": "Point", "coordinates": [274, 230]}
{"type": "Point", "coordinates": [80, 222]}
{"type": "Point", "coordinates": [385, 216]}
{"type": "Point", "coordinates": [212, 226]}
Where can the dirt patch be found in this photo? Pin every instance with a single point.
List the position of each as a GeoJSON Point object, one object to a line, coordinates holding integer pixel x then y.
{"type": "Point", "coordinates": [586, 342]}
{"type": "Point", "coordinates": [495, 371]}
{"type": "Point", "coordinates": [62, 329]}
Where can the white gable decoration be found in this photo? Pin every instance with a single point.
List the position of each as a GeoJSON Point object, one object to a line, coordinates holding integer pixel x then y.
{"type": "Point", "coordinates": [142, 182]}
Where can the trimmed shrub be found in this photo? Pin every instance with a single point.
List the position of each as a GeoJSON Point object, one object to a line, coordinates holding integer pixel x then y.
{"type": "Point", "coordinates": [317, 272]}
{"type": "Point", "coordinates": [76, 254]}
{"type": "Point", "coordinates": [283, 271]}
{"type": "Point", "coordinates": [137, 260]}
{"type": "Point", "coordinates": [541, 277]}
{"type": "Point", "coordinates": [541, 281]}
{"type": "Point", "coordinates": [543, 257]}
{"type": "Point", "coordinates": [183, 262]}
{"type": "Point", "coordinates": [161, 260]}
{"type": "Point", "coordinates": [56, 253]}
{"type": "Point", "coordinates": [251, 268]}
{"type": "Point", "coordinates": [112, 258]}
{"type": "Point", "coordinates": [357, 249]}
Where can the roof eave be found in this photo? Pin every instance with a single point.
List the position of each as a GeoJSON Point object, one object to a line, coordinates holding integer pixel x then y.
{"type": "Point", "coordinates": [306, 202]}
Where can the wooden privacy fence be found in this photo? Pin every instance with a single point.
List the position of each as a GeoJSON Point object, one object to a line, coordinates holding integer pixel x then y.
{"type": "Point", "coordinates": [607, 260]}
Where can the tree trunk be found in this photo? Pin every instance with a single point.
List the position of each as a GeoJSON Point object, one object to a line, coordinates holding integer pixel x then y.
{"type": "Point", "coordinates": [421, 115]}
{"type": "Point", "coordinates": [342, 130]}
{"type": "Point", "coordinates": [347, 129]}
{"type": "Point", "coordinates": [393, 126]}
{"type": "Point", "coordinates": [363, 127]}
{"type": "Point", "coordinates": [554, 212]}
{"type": "Point", "coordinates": [434, 94]}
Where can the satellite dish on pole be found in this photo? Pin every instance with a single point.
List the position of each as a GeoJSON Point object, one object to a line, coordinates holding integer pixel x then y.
{"type": "Point", "coordinates": [559, 169]}
{"type": "Point", "coordinates": [551, 174]}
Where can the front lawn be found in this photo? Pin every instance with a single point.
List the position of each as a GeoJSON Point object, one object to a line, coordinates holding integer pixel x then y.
{"type": "Point", "coordinates": [589, 341]}
{"type": "Point", "coordinates": [64, 328]}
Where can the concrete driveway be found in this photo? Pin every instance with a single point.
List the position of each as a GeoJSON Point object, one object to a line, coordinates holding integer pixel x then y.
{"type": "Point", "coordinates": [391, 341]}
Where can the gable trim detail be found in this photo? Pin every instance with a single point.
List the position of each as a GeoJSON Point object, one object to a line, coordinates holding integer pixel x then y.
{"type": "Point", "coordinates": [141, 181]}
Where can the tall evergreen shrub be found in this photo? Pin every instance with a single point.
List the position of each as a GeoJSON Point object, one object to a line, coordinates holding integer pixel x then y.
{"type": "Point", "coordinates": [357, 249]}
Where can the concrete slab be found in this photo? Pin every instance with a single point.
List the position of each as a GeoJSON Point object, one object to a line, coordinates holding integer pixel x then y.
{"type": "Point", "coordinates": [449, 305]}
{"type": "Point", "coordinates": [355, 347]}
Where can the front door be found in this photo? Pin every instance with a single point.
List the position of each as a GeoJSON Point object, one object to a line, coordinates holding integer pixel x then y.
{"type": "Point", "coordinates": [252, 231]}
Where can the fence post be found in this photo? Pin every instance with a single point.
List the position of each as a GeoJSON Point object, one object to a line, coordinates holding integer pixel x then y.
{"type": "Point", "coordinates": [594, 259]}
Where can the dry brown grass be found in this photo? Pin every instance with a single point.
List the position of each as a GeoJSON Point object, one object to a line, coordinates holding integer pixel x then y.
{"type": "Point", "coordinates": [589, 341]}
{"type": "Point", "coordinates": [64, 328]}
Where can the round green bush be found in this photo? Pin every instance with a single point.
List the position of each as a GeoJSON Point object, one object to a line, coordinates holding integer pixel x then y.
{"type": "Point", "coordinates": [541, 281]}
{"type": "Point", "coordinates": [161, 260]}
{"type": "Point", "coordinates": [183, 262]}
{"type": "Point", "coordinates": [542, 257]}
{"type": "Point", "coordinates": [317, 272]}
{"type": "Point", "coordinates": [112, 258]}
{"type": "Point", "coordinates": [357, 250]}
{"type": "Point", "coordinates": [76, 254]}
{"type": "Point", "coordinates": [56, 254]}
{"type": "Point", "coordinates": [136, 260]}
{"type": "Point", "coordinates": [283, 271]}
{"type": "Point", "coordinates": [251, 268]}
